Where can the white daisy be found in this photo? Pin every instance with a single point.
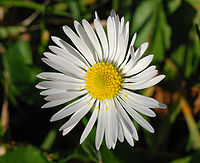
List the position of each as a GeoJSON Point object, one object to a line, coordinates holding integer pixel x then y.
{"type": "Point", "coordinates": [103, 72]}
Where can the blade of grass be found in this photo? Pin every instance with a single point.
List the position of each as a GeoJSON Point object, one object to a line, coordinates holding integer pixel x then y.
{"type": "Point", "coordinates": [192, 125]}
{"type": "Point", "coordinates": [24, 4]}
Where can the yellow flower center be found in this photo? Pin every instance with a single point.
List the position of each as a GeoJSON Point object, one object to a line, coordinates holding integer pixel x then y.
{"type": "Point", "coordinates": [103, 80]}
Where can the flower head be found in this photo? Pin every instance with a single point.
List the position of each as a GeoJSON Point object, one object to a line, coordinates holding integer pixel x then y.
{"type": "Point", "coordinates": [104, 72]}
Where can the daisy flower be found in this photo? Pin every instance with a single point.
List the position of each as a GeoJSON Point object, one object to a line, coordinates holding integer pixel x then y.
{"type": "Point", "coordinates": [100, 73]}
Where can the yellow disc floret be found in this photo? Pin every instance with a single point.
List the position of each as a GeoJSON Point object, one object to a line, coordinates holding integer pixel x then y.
{"type": "Point", "coordinates": [103, 81]}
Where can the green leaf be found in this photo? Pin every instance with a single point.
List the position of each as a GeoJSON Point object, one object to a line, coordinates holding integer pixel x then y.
{"type": "Point", "coordinates": [23, 154]}
{"type": "Point", "coordinates": [150, 22]}
{"type": "Point", "coordinates": [74, 8]}
{"type": "Point", "coordinates": [161, 36]}
{"type": "Point", "coordinates": [189, 159]}
{"type": "Point", "coordinates": [142, 21]}
{"type": "Point", "coordinates": [173, 5]}
{"type": "Point", "coordinates": [10, 31]}
{"type": "Point", "coordinates": [49, 140]}
{"type": "Point", "coordinates": [18, 62]}
{"type": "Point", "coordinates": [24, 4]}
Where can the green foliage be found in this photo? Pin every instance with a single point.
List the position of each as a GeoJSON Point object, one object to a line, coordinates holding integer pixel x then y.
{"type": "Point", "coordinates": [24, 154]}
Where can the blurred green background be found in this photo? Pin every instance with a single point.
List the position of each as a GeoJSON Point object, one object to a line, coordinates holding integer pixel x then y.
{"type": "Point", "coordinates": [172, 28]}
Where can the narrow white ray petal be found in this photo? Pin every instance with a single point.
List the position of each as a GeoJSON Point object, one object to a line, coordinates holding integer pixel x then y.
{"type": "Point", "coordinates": [108, 127]}
{"type": "Point", "coordinates": [127, 57]}
{"type": "Point", "coordinates": [126, 120]}
{"type": "Point", "coordinates": [84, 37]}
{"type": "Point", "coordinates": [111, 125]}
{"type": "Point", "coordinates": [96, 16]}
{"type": "Point", "coordinates": [61, 85]}
{"type": "Point", "coordinates": [120, 132]}
{"type": "Point", "coordinates": [71, 108]}
{"type": "Point", "coordinates": [143, 100]}
{"type": "Point", "coordinates": [60, 65]}
{"type": "Point", "coordinates": [112, 13]}
{"type": "Point", "coordinates": [137, 117]}
{"type": "Point", "coordinates": [78, 115]}
{"type": "Point", "coordinates": [140, 108]}
{"type": "Point", "coordinates": [62, 61]}
{"type": "Point", "coordinates": [140, 51]}
{"type": "Point", "coordinates": [131, 49]}
{"type": "Point", "coordinates": [66, 95]}
{"type": "Point", "coordinates": [54, 103]}
{"type": "Point", "coordinates": [122, 48]}
{"type": "Point", "coordinates": [128, 135]}
{"type": "Point", "coordinates": [52, 91]}
{"type": "Point", "coordinates": [122, 24]}
{"type": "Point", "coordinates": [126, 33]}
{"type": "Point", "coordinates": [114, 126]}
{"type": "Point", "coordinates": [79, 44]}
{"type": "Point", "coordinates": [102, 36]}
{"type": "Point", "coordinates": [100, 127]}
{"type": "Point", "coordinates": [116, 27]}
{"type": "Point", "coordinates": [90, 124]}
{"type": "Point", "coordinates": [143, 78]}
{"type": "Point", "coordinates": [56, 66]}
{"type": "Point", "coordinates": [64, 45]}
{"type": "Point", "coordinates": [115, 39]}
{"type": "Point", "coordinates": [150, 83]}
{"type": "Point", "coordinates": [68, 129]}
{"type": "Point", "coordinates": [65, 54]}
{"type": "Point", "coordinates": [127, 67]}
{"type": "Point", "coordinates": [139, 76]}
{"type": "Point", "coordinates": [93, 38]}
{"type": "Point", "coordinates": [140, 65]}
{"type": "Point", "coordinates": [111, 36]}
{"type": "Point", "coordinates": [59, 77]}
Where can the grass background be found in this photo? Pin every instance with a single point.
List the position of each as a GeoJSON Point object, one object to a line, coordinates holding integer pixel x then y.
{"type": "Point", "coordinates": [172, 28]}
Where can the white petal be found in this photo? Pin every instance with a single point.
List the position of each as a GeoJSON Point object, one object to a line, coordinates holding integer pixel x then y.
{"type": "Point", "coordinates": [128, 135]}
{"type": "Point", "coordinates": [61, 85]}
{"type": "Point", "coordinates": [138, 118]}
{"type": "Point", "coordinates": [58, 77]}
{"type": "Point", "coordinates": [78, 115]}
{"type": "Point", "coordinates": [142, 78]}
{"type": "Point", "coordinates": [111, 37]}
{"type": "Point", "coordinates": [92, 37]}
{"type": "Point", "coordinates": [141, 75]}
{"type": "Point", "coordinates": [68, 129]}
{"type": "Point", "coordinates": [64, 45]}
{"type": "Point", "coordinates": [150, 83]}
{"type": "Point", "coordinates": [65, 54]}
{"type": "Point", "coordinates": [79, 44]}
{"type": "Point", "coordinates": [54, 103]}
{"type": "Point", "coordinates": [84, 37]}
{"type": "Point", "coordinates": [140, 108]}
{"type": "Point", "coordinates": [126, 34]}
{"type": "Point", "coordinates": [140, 51]}
{"type": "Point", "coordinates": [140, 65]}
{"type": "Point", "coordinates": [100, 127]}
{"type": "Point", "coordinates": [60, 65]}
{"type": "Point", "coordinates": [122, 50]}
{"type": "Point", "coordinates": [108, 128]}
{"type": "Point", "coordinates": [52, 91]}
{"type": "Point", "coordinates": [114, 126]}
{"type": "Point", "coordinates": [71, 108]}
{"type": "Point", "coordinates": [120, 132]}
{"type": "Point", "coordinates": [126, 120]}
{"type": "Point", "coordinates": [102, 36]}
{"type": "Point", "coordinates": [143, 100]}
{"type": "Point", "coordinates": [129, 51]}
{"type": "Point", "coordinates": [66, 95]}
{"type": "Point", "coordinates": [90, 124]}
